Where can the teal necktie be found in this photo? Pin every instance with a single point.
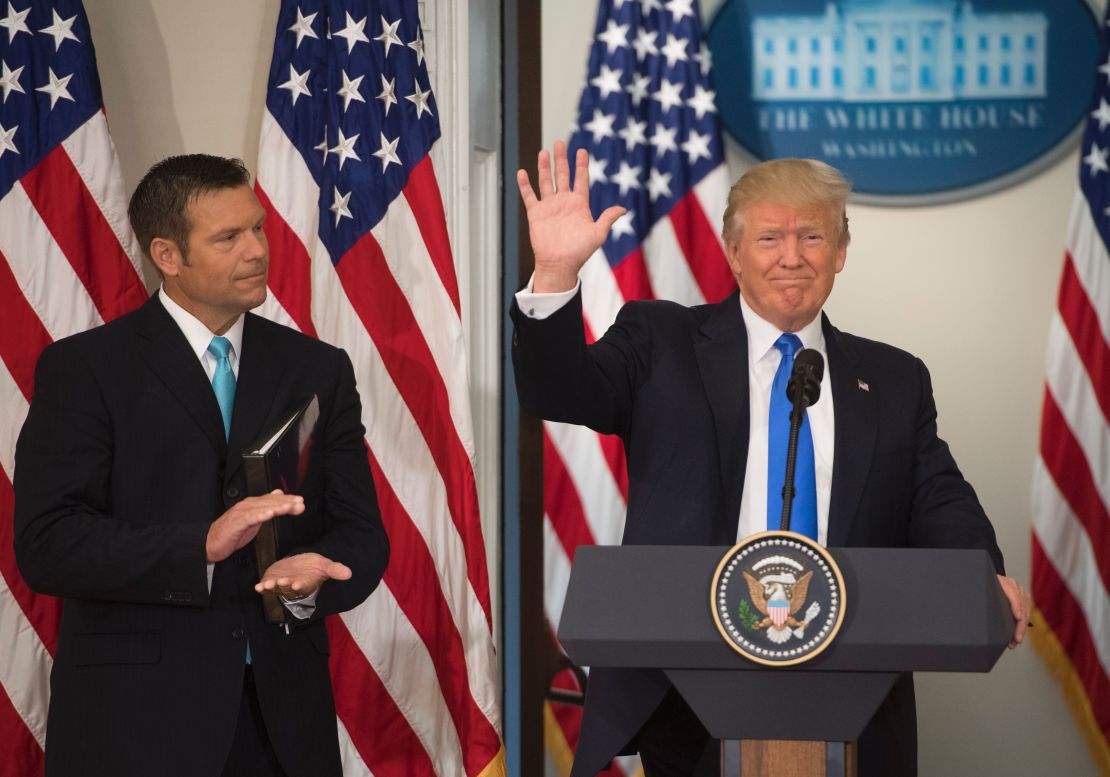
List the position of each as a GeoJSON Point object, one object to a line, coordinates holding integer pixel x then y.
{"type": "Point", "coordinates": [223, 383]}
{"type": "Point", "coordinates": [223, 380]}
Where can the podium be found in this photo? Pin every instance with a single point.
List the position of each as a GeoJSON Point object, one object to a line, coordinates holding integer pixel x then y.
{"type": "Point", "coordinates": [907, 610]}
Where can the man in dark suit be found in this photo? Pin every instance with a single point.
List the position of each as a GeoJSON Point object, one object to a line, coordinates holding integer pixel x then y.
{"type": "Point", "coordinates": [130, 505]}
{"type": "Point", "coordinates": [689, 392]}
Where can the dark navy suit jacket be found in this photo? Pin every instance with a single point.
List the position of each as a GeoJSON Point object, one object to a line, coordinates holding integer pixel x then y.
{"type": "Point", "coordinates": [121, 467]}
{"type": "Point", "coordinates": [672, 382]}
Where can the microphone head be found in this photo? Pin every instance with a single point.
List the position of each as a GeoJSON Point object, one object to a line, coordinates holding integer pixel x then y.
{"type": "Point", "coordinates": [809, 368]}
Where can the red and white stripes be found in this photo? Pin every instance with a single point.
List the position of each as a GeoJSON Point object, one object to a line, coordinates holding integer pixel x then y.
{"type": "Point", "coordinates": [1071, 485]}
{"type": "Point", "coordinates": [68, 262]}
{"type": "Point", "coordinates": [413, 667]}
{"type": "Point", "coordinates": [585, 479]}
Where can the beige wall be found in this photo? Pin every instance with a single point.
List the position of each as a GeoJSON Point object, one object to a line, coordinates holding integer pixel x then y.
{"type": "Point", "coordinates": [968, 287]}
{"type": "Point", "coordinates": [182, 77]}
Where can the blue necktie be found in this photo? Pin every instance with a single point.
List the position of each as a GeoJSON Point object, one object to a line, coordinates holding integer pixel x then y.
{"type": "Point", "coordinates": [223, 383]}
{"type": "Point", "coordinates": [803, 516]}
{"type": "Point", "coordinates": [223, 380]}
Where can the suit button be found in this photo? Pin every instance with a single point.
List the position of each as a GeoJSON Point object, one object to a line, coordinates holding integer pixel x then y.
{"type": "Point", "coordinates": [232, 492]}
{"type": "Point", "coordinates": [244, 559]}
{"type": "Point", "coordinates": [167, 596]}
{"type": "Point", "coordinates": [237, 633]}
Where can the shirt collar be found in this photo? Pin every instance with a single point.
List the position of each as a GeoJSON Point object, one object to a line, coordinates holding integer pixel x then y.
{"type": "Point", "coordinates": [198, 335]}
{"type": "Point", "coordinates": [762, 334]}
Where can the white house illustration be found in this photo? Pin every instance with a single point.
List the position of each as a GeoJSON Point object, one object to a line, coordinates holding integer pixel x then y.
{"type": "Point", "coordinates": [891, 50]}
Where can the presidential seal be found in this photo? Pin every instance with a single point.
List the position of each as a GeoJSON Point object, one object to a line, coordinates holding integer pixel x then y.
{"type": "Point", "coordinates": [778, 598]}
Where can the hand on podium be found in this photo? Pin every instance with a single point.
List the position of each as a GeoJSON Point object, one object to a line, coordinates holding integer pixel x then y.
{"type": "Point", "coordinates": [1020, 606]}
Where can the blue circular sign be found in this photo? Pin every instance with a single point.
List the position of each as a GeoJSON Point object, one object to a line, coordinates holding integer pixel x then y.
{"type": "Point", "coordinates": [914, 100]}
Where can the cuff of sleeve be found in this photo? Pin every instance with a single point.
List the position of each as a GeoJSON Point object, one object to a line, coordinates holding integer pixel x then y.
{"type": "Point", "coordinates": [302, 608]}
{"type": "Point", "coordinates": [211, 570]}
{"type": "Point", "coordinates": [540, 306]}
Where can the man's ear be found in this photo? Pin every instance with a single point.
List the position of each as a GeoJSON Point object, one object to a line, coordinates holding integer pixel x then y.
{"type": "Point", "coordinates": [732, 254]}
{"type": "Point", "coordinates": [166, 256]}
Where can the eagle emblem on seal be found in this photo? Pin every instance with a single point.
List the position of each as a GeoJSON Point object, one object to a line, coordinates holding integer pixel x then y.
{"type": "Point", "coordinates": [778, 587]}
{"type": "Point", "coordinates": [778, 598]}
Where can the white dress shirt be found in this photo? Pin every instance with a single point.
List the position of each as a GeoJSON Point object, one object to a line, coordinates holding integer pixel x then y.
{"type": "Point", "coordinates": [199, 337]}
{"type": "Point", "coordinates": [541, 305]}
{"type": "Point", "coordinates": [763, 362]}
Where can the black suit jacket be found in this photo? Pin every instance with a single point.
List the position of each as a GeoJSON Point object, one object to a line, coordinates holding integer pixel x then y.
{"type": "Point", "coordinates": [121, 467]}
{"type": "Point", "coordinates": [672, 381]}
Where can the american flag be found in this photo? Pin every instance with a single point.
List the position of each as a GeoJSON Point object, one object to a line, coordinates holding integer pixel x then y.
{"type": "Point", "coordinates": [648, 119]}
{"type": "Point", "coordinates": [1071, 485]}
{"type": "Point", "coordinates": [359, 257]}
{"type": "Point", "coordinates": [68, 262]}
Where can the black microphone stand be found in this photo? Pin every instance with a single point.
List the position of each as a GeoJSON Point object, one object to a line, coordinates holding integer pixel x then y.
{"type": "Point", "coordinates": [797, 415]}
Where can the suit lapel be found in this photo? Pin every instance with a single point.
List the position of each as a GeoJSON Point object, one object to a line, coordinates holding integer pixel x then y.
{"type": "Point", "coordinates": [260, 370]}
{"type": "Point", "coordinates": [856, 418]}
{"type": "Point", "coordinates": [721, 349]}
{"type": "Point", "coordinates": [163, 347]}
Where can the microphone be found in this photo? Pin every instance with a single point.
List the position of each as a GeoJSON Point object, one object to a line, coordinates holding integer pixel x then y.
{"type": "Point", "coordinates": [804, 386]}
{"type": "Point", "coordinates": [803, 390]}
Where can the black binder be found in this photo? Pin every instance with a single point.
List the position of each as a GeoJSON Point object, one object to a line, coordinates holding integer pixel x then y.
{"type": "Point", "coordinates": [277, 460]}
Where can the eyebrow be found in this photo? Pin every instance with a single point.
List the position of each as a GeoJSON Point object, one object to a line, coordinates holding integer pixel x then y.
{"type": "Point", "coordinates": [237, 229]}
{"type": "Point", "coordinates": [814, 225]}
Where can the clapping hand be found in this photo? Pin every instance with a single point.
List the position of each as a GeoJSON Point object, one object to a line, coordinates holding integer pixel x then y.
{"type": "Point", "coordinates": [238, 526]}
{"type": "Point", "coordinates": [298, 576]}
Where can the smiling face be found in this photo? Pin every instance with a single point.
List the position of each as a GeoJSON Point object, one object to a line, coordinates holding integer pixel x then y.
{"type": "Point", "coordinates": [785, 258]}
{"type": "Point", "coordinates": [222, 274]}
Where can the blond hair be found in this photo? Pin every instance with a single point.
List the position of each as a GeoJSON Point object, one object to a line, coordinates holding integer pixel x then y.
{"type": "Point", "coordinates": [798, 183]}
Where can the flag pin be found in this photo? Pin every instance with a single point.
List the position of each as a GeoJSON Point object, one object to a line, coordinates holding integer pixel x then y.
{"type": "Point", "coordinates": [862, 386]}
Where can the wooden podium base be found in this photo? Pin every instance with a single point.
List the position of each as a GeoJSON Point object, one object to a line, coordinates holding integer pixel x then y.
{"type": "Point", "coordinates": [787, 758]}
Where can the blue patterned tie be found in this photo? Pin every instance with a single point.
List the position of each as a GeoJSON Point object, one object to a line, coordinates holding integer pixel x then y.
{"type": "Point", "coordinates": [223, 380]}
{"type": "Point", "coordinates": [803, 517]}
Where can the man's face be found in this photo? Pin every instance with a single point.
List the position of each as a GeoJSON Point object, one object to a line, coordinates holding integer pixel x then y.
{"type": "Point", "coordinates": [785, 259]}
{"type": "Point", "coordinates": [225, 272]}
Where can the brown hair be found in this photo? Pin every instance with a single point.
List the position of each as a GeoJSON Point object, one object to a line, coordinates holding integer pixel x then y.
{"type": "Point", "coordinates": [160, 205]}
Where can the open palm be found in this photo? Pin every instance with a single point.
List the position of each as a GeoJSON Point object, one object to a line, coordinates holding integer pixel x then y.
{"type": "Point", "coordinates": [561, 228]}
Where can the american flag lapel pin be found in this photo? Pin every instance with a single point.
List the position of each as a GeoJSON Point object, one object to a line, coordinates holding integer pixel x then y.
{"type": "Point", "coordinates": [862, 385]}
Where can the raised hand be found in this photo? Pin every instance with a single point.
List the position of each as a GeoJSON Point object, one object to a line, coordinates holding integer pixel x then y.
{"type": "Point", "coordinates": [560, 226]}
